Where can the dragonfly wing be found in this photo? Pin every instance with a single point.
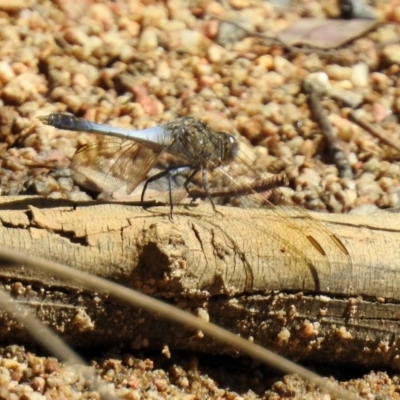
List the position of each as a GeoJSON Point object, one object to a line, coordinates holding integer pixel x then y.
{"type": "Point", "coordinates": [301, 237]}
{"type": "Point", "coordinates": [108, 164]}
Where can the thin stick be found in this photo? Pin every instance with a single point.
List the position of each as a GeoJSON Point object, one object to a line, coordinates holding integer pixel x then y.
{"type": "Point", "coordinates": [340, 158]}
{"type": "Point", "coordinates": [375, 131]}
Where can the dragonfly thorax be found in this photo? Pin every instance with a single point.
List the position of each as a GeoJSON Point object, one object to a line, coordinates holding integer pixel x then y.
{"type": "Point", "coordinates": [198, 145]}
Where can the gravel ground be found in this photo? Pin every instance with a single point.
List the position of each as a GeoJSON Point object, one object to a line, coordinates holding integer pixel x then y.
{"type": "Point", "coordinates": [141, 63]}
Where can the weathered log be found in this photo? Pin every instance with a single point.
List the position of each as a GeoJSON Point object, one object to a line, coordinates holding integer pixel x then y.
{"type": "Point", "coordinates": [320, 289]}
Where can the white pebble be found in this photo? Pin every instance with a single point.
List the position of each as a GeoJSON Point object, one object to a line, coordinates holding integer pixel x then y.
{"type": "Point", "coordinates": [359, 75]}
{"type": "Point", "coordinates": [317, 82]}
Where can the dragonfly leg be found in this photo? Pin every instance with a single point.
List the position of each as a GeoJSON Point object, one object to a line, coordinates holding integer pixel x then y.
{"type": "Point", "coordinates": [168, 172]}
{"type": "Point", "coordinates": [205, 185]}
{"type": "Point", "coordinates": [153, 179]}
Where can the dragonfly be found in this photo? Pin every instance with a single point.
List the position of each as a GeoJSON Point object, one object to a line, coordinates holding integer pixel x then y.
{"type": "Point", "coordinates": [125, 156]}
{"type": "Point", "coordinates": [109, 164]}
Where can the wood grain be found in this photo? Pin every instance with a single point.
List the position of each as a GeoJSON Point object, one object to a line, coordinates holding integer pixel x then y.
{"type": "Point", "coordinates": [246, 270]}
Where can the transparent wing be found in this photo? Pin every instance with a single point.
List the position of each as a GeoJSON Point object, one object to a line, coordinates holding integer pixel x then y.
{"type": "Point", "coordinates": [109, 163]}
{"type": "Point", "coordinates": [319, 249]}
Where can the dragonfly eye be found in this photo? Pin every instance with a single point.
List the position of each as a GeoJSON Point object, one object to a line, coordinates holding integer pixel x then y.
{"type": "Point", "coordinates": [231, 147]}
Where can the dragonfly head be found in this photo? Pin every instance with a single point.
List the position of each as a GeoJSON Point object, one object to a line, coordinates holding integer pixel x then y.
{"type": "Point", "coordinates": [230, 148]}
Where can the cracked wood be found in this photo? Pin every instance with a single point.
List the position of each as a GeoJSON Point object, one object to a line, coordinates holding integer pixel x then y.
{"type": "Point", "coordinates": [227, 266]}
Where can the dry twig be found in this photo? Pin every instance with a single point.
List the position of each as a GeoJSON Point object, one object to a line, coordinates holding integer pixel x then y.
{"type": "Point", "coordinates": [335, 148]}
{"type": "Point", "coordinates": [375, 131]}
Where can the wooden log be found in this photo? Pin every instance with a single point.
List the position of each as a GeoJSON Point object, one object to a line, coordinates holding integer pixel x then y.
{"type": "Point", "coordinates": [321, 289]}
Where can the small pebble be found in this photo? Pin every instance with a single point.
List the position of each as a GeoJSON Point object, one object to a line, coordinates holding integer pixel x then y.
{"type": "Point", "coordinates": [317, 82]}
{"type": "Point", "coordinates": [217, 54]}
{"type": "Point", "coordinates": [360, 75]}
{"type": "Point", "coordinates": [391, 54]}
{"type": "Point", "coordinates": [230, 33]}
{"type": "Point", "coordinates": [78, 196]}
{"type": "Point", "coordinates": [65, 184]}
{"type": "Point", "coordinates": [43, 186]}
{"type": "Point", "coordinates": [349, 98]}
{"type": "Point", "coordinates": [395, 13]}
{"type": "Point", "coordinates": [148, 39]}
{"type": "Point", "coordinates": [284, 68]}
{"type": "Point", "coordinates": [338, 72]}
{"type": "Point", "coordinates": [6, 72]}
{"type": "Point", "coordinates": [192, 42]}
